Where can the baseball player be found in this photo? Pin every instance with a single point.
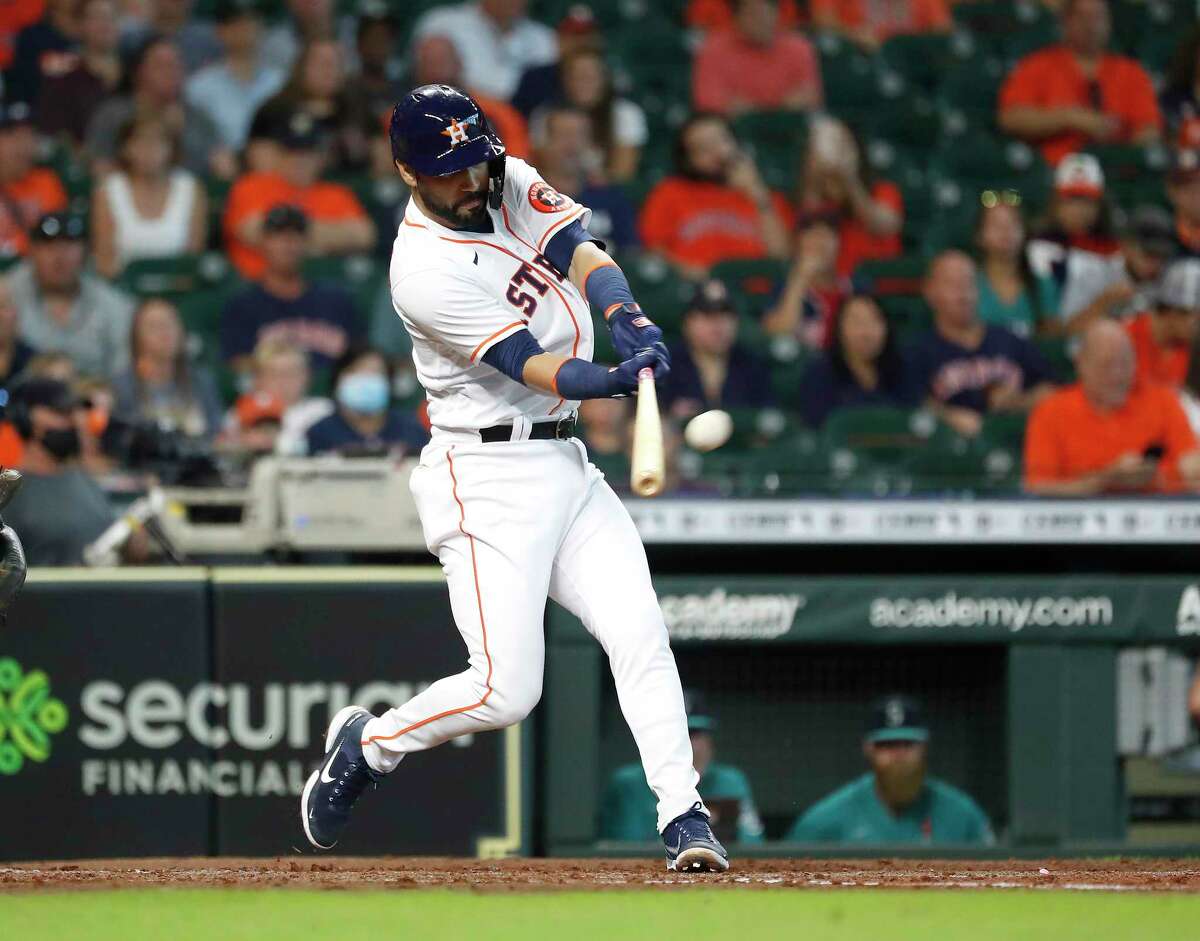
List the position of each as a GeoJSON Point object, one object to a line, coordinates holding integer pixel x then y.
{"type": "Point", "coordinates": [492, 274]}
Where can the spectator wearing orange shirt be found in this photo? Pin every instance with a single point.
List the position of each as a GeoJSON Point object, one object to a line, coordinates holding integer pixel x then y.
{"type": "Point", "coordinates": [868, 213]}
{"type": "Point", "coordinates": [1068, 96]}
{"type": "Point", "coordinates": [716, 207]}
{"type": "Point", "coordinates": [27, 192]}
{"type": "Point", "coordinates": [752, 66]}
{"type": "Point", "coordinates": [1162, 337]}
{"type": "Point", "coordinates": [871, 24]}
{"type": "Point", "coordinates": [1109, 433]}
{"type": "Point", "coordinates": [338, 223]}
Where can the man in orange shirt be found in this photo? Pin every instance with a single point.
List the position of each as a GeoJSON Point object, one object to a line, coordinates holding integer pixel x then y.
{"type": "Point", "coordinates": [1067, 96]}
{"type": "Point", "coordinates": [871, 24]}
{"type": "Point", "coordinates": [27, 192]}
{"type": "Point", "coordinates": [1162, 337]}
{"type": "Point", "coordinates": [753, 66]}
{"type": "Point", "coordinates": [1108, 432]}
{"type": "Point", "coordinates": [338, 224]}
{"type": "Point", "coordinates": [716, 207]}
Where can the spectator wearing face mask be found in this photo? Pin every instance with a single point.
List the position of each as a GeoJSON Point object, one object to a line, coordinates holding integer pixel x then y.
{"type": "Point", "coordinates": [363, 421]}
{"type": "Point", "coordinates": [60, 509]}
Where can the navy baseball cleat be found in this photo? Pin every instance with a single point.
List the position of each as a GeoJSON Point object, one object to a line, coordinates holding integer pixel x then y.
{"type": "Point", "coordinates": [331, 790]}
{"type": "Point", "coordinates": [691, 846]}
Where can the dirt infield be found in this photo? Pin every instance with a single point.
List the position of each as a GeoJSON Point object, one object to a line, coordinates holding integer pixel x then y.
{"type": "Point", "coordinates": [519, 875]}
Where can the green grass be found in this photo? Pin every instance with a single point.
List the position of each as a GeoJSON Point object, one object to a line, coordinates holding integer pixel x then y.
{"type": "Point", "coordinates": [724, 914]}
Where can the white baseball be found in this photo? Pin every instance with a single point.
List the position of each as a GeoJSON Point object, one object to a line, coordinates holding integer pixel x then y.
{"type": "Point", "coordinates": [708, 430]}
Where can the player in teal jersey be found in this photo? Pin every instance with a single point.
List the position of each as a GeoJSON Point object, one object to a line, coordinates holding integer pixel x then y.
{"type": "Point", "coordinates": [627, 811]}
{"type": "Point", "coordinates": [895, 802]}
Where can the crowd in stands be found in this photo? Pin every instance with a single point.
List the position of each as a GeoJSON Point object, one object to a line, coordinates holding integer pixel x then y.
{"type": "Point", "coordinates": [952, 206]}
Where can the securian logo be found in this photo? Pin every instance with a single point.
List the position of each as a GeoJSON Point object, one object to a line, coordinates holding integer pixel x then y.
{"type": "Point", "coordinates": [29, 715]}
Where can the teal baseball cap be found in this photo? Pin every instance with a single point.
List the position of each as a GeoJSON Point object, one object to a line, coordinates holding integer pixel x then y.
{"type": "Point", "coordinates": [699, 719]}
{"type": "Point", "coordinates": [897, 718]}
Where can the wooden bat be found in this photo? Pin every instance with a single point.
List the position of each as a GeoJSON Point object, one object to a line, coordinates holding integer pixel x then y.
{"type": "Point", "coordinates": [647, 471]}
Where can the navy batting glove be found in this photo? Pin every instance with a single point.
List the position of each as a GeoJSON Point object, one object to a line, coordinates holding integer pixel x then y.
{"type": "Point", "coordinates": [632, 331]}
{"type": "Point", "coordinates": [624, 378]}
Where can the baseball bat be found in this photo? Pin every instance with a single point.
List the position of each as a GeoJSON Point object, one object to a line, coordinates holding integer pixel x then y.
{"type": "Point", "coordinates": [647, 471]}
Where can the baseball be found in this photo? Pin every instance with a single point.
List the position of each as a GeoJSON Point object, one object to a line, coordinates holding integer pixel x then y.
{"type": "Point", "coordinates": [708, 430]}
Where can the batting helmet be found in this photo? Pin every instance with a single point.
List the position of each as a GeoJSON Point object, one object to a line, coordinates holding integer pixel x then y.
{"type": "Point", "coordinates": [438, 130]}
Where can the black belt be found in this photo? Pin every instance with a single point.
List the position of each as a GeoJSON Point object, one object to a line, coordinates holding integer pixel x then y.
{"type": "Point", "coordinates": [542, 430]}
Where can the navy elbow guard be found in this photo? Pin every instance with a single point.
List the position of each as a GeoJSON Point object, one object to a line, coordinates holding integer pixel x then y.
{"type": "Point", "coordinates": [510, 354]}
{"type": "Point", "coordinates": [560, 250]}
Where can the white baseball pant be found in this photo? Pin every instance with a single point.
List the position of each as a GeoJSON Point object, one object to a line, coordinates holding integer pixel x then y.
{"type": "Point", "coordinates": [511, 523]}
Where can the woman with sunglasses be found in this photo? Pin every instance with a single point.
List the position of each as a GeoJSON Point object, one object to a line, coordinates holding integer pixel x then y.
{"type": "Point", "coordinates": [1010, 293]}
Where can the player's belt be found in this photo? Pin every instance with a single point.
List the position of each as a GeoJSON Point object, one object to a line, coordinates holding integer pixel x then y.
{"type": "Point", "coordinates": [540, 431]}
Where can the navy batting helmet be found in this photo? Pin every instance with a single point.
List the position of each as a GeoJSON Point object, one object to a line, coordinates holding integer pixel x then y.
{"type": "Point", "coordinates": [438, 130]}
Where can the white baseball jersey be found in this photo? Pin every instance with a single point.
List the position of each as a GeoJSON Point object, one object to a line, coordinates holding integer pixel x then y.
{"type": "Point", "coordinates": [517, 520]}
{"type": "Point", "coordinates": [460, 293]}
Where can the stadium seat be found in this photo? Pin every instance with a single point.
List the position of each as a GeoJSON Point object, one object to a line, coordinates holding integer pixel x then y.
{"type": "Point", "coordinates": [1134, 175]}
{"type": "Point", "coordinates": [1011, 28]}
{"type": "Point", "coordinates": [754, 283]}
{"type": "Point", "coordinates": [777, 140]}
{"type": "Point", "coordinates": [968, 95]}
{"type": "Point", "coordinates": [851, 78]}
{"type": "Point", "coordinates": [359, 274]}
{"type": "Point", "coordinates": [922, 58]}
{"type": "Point", "coordinates": [885, 436]}
{"type": "Point", "coordinates": [1058, 353]}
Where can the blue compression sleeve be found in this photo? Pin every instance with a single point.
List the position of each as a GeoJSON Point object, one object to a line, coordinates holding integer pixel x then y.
{"type": "Point", "coordinates": [607, 289]}
{"type": "Point", "coordinates": [561, 248]}
{"type": "Point", "coordinates": [578, 379]}
{"type": "Point", "coordinates": [509, 355]}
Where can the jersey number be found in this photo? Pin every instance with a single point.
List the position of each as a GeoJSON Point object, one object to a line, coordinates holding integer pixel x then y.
{"type": "Point", "coordinates": [523, 299]}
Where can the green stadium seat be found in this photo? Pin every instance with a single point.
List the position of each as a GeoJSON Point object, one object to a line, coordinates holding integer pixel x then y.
{"type": "Point", "coordinates": [1009, 27]}
{"type": "Point", "coordinates": [1134, 175]}
{"type": "Point", "coordinates": [884, 436]}
{"type": "Point", "coordinates": [1057, 351]}
{"type": "Point", "coordinates": [361, 275]}
{"type": "Point", "coordinates": [851, 79]}
{"type": "Point", "coordinates": [968, 95]}
{"type": "Point", "coordinates": [947, 464]}
{"type": "Point", "coordinates": [923, 59]}
{"type": "Point", "coordinates": [754, 283]}
{"type": "Point", "coordinates": [777, 140]}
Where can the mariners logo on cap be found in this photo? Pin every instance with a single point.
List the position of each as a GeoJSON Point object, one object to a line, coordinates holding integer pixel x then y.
{"type": "Point", "coordinates": [459, 131]}
{"type": "Point", "coordinates": [894, 713]}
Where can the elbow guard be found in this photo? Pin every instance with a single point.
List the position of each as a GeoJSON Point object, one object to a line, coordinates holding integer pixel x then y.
{"type": "Point", "coordinates": [510, 355]}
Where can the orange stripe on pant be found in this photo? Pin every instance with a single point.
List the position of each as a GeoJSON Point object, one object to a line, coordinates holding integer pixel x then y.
{"type": "Point", "coordinates": [462, 518]}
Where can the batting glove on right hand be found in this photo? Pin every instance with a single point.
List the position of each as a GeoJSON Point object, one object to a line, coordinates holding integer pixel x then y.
{"type": "Point", "coordinates": [625, 376]}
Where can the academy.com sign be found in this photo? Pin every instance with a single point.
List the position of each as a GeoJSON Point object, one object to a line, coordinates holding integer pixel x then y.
{"type": "Point", "coordinates": [719, 615]}
{"type": "Point", "coordinates": [1013, 614]}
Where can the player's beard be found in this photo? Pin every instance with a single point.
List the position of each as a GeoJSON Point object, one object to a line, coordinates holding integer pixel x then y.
{"type": "Point", "coordinates": [456, 215]}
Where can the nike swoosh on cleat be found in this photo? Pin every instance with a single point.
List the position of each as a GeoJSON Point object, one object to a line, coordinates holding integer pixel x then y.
{"type": "Point", "coordinates": [325, 778]}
